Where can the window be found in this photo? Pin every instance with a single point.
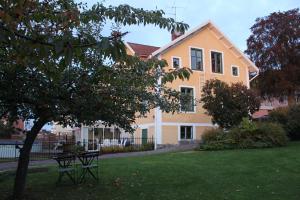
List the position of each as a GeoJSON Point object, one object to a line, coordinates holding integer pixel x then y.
{"type": "Point", "coordinates": [196, 59]}
{"type": "Point", "coordinates": [187, 101]}
{"type": "Point", "coordinates": [216, 62]}
{"type": "Point", "coordinates": [186, 132]}
{"type": "Point", "coordinates": [235, 71]}
{"type": "Point", "coordinates": [176, 62]}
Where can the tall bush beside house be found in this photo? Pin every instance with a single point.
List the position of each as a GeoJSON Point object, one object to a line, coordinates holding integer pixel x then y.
{"type": "Point", "coordinates": [228, 104]}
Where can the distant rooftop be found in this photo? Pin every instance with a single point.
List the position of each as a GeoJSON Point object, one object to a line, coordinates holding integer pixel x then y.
{"type": "Point", "coordinates": [142, 50]}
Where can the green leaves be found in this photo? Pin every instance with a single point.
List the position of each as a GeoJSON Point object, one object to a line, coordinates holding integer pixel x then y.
{"type": "Point", "coordinates": [228, 104]}
{"type": "Point", "coordinates": [56, 64]}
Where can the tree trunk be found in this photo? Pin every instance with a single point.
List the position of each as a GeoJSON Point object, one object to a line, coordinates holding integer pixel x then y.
{"type": "Point", "coordinates": [20, 179]}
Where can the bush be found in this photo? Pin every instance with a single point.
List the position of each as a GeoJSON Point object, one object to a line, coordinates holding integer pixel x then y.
{"type": "Point", "coordinates": [279, 115]}
{"type": "Point", "coordinates": [246, 135]}
{"type": "Point", "coordinates": [216, 139]}
{"type": "Point", "coordinates": [289, 118]}
{"type": "Point", "coordinates": [293, 122]}
{"type": "Point", "coordinates": [131, 148]}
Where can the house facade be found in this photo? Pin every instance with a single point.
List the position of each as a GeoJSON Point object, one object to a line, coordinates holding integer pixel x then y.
{"type": "Point", "coordinates": [210, 55]}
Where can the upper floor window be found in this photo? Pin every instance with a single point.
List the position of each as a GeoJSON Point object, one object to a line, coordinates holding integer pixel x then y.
{"type": "Point", "coordinates": [216, 62]}
{"type": "Point", "coordinates": [176, 62]}
{"type": "Point", "coordinates": [196, 59]}
{"type": "Point", "coordinates": [187, 103]}
{"type": "Point", "coordinates": [235, 71]}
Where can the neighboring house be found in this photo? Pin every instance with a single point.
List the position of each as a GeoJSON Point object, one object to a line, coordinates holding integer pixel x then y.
{"type": "Point", "coordinates": [267, 105]}
{"type": "Point", "coordinates": [210, 54]}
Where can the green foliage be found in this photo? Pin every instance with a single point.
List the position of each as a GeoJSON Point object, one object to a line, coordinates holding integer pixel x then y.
{"type": "Point", "coordinates": [289, 118]}
{"type": "Point", "coordinates": [132, 148]}
{"type": "Point", "coordinates": [293, 122]}
{"type": "Point", "coordinates": [228, 105]}
{"type": "Point", "coordinates": [247, 135]}
{"type": "Point", "coordinates": [57, 64]}
{"type": "Point", "coordinates": [279, 115]}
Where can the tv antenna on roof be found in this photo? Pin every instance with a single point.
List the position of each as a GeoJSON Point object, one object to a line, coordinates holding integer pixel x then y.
{"type": "Point", "coordinates": [174, 10]}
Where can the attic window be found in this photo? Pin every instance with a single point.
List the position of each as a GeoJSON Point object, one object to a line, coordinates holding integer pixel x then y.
{"type": "Point", "coordinates": [196, 59]}
{"type": "Point", "coordinates": [235, 71]}
{"type": "Point", "coordinates": [217, 62]}
{"type": "Point", "coordinates": [176, 62]}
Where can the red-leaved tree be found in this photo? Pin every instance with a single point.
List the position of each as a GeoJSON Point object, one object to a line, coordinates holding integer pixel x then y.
{"type": "Point", "coordinates": [274, 46]}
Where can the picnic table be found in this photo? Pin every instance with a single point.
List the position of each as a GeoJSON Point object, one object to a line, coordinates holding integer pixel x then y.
{"type": "Point", "coordinates": [77, 172]}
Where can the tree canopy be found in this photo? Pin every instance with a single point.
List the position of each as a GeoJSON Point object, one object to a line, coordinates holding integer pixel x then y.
{"type": "Point", "coordinates": [228, 104]}
{"type": "Point", "coordinates": [56, 65]}
{"type": "Point", "coordinates": [274, 46]}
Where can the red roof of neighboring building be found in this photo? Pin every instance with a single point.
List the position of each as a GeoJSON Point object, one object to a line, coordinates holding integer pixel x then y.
{"type": "Point", "coordinates": [142, 50]}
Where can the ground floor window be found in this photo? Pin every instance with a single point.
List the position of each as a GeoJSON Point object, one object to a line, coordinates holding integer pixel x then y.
{"type": "Point", "coordinates": [186, 132]}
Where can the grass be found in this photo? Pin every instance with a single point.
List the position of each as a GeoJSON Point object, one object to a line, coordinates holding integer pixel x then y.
{"type": "Point", "coordinates": [271, 174]}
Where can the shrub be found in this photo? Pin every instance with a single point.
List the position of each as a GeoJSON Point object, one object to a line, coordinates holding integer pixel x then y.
{"type": "Point", "coordinates": [131, 148]}
{"type": "Point", "coordinates": [215, 139]}
{"type": "Point", "coordinates": [293, 122]}
{"type": "Point", "coordinates": [289, 118]}
{"type": "Point", "coordinates": [247, 135]}
{"type": "Point", "coordinates": [279, 115]}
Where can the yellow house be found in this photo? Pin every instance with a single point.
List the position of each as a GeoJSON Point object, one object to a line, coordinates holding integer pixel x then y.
{"type": "Point", "coordinates": [210, 54]}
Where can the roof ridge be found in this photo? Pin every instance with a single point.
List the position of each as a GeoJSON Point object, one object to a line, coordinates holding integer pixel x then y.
{"type": "Point", "coordinates": [143, 44]}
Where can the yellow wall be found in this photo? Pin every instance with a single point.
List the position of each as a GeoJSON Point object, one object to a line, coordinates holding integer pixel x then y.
{"type": "Point", "coordinates": [169, 134]}
{"type": "Point", "coordinates": [208, 41]}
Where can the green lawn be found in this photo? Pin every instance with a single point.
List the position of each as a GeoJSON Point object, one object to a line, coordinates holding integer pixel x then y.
{"type": "Point", "coordinates": [234, 174]}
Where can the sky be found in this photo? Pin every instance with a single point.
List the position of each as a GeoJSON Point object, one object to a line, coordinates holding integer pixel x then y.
{"type": "Point", "coordinates": [233, 17]}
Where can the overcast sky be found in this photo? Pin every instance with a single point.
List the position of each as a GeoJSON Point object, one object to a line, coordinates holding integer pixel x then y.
{"type": "Point", "coordinates": [233, 17]}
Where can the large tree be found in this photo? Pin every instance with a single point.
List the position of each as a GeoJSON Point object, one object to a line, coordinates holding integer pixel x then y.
{"type": "Point", "coordinates": [56, 65]}
{"type": "Point", "coordinates": [228, 104]}
{"type": "Point", "coordinates": [274, 46]}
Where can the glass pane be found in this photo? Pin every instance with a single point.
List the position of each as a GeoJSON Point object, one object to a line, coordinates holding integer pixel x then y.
{"type": "Point", "coordinates": [193, 52]}
{"type": "Point", "coordinates": [182, 132]}
{"type": "Point", "coordinates": [213, 62]}
{"type": "Point", "coordinates": [198, 53]}
{"type": "Point", "coordinates": [175, 62]}
{"type": "Point", "coordinates": [234, 71]}
{"type": "Point", "coordinates": [108, 133]}
{"type": "Point", "coordinates": [189, 134]}
{"type": "Point", "coordinates": [193, 62]}
{"type": "Point", "coordinates": [117, 133]}
{"type": "Point", "coordinates": [90, 134]}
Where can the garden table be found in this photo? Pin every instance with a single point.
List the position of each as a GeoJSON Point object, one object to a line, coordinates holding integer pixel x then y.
{"type": "Point", "coordinates": [66, 166]}
{"type": "Point", "coordinates": [89, 161]}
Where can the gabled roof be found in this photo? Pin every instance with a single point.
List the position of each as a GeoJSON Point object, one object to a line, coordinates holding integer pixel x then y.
{"type": "Point", "coordinates": [251, 66]}
{"type": "Point", "coordinates": [141, 50]}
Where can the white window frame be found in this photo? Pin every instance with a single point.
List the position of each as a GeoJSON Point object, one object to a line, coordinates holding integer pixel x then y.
{"type": "Point", "coordinates": [180, 63]}
{"type": "Point", "coordinates": [238, 70]}
{"type": "Point", "coordinates": [223, 66]}
{"type": "Point", "coordinates": [194, 97]}
{"type": "Point", "coordinates": [203, 58]}
{"type": "Point", "coordinates": [193, 132]}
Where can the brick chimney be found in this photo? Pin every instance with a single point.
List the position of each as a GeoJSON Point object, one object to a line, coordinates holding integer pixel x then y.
{"type": "Point", "coordinates": [176, 34]}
